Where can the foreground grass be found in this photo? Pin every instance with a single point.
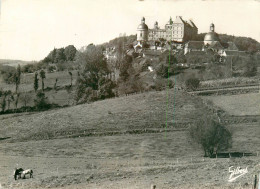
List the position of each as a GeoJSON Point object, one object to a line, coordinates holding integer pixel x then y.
{"type": "Point", "coordinates": [88, 146]}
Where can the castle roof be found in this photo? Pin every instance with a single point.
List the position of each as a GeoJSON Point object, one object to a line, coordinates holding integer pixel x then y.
{"type": "Point", "coordinates": [235, 53]}
{"type": "Point", "coordinates": [179, 20]}
{"type": "Point", "coordinates": [192, 23]}
{"type": "Point", "coordinates": [215, 45]}
{"type": "Point", "coordinates": [142, 26]}
{"type": "Point", "coordinates": [211, 36]}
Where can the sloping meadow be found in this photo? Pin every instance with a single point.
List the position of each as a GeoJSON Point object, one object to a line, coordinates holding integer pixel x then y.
{"type": "Point", "coordinates": [147, 112]}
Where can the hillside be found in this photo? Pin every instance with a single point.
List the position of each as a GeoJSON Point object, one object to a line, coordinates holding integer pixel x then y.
{"type": "Point", "coordinates": [119, 142]}
{"type": "Point", "coordinates": [14, 62]}
{"type": "Point", "coordinates": [136, 112]}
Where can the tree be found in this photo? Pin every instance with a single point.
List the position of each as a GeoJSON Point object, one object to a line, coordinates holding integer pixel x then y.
{"type": "Point", "coordinates": [25, 98]}
{"type": "Point", "coordinates": [70, 52]}
{"type": "Point", "coordinates": [36, 82]}
{"type": "Point", "coordinates": [55, 84]}
{"type": "Point", "coordinates": [250, 68]}
{"type": "Point", "coordinates": [7, 73]}
{"type": "Point", "coordinates": [3, 103]}
{"type": "Point", "coordinates": [10, 98]}
{"type": "Point", "coordinates": [211, 134]}
{"type": "Point", "coordinates": [16, 100]}
{"type": "Point", "coordinates": [70, 73]}
{"type": "Point", "coordinates": [94, 68]}
{"type": "Point", "coordinates": [60, 56]}
{"type": "Point", "coordinates": [42, 75]}
{"type": "Point", "coordinates": [17, 78]}
{"type": "Point", "coordinates": [41, 102]}
{"type": "Point", "coordinates": [51, 56]}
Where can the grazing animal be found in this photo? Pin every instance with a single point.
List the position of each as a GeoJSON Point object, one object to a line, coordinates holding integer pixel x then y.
{"type": "Point", "coordinates": [27, 172]}
{"type": "Point", "coordinates": [17, 172]}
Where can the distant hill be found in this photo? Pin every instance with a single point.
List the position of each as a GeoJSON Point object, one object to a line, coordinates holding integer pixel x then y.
{"type": "Point", "coordinates": [14, 62]}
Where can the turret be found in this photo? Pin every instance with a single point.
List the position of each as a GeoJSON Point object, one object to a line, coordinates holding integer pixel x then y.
{"type": "Point", "coordinates": [142, 31]}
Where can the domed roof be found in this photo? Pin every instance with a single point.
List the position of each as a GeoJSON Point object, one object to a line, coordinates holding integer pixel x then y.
{"type": "Point", "coordinates": [142, 26]}
{"type": "Point", "coordinates": [211, 36]}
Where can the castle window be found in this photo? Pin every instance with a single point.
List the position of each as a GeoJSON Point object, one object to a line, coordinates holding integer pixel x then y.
{"type": "Point", "coordinates": [141, 35]}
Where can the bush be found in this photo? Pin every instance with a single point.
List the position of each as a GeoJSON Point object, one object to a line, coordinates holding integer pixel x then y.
{"type": "Point", "coordinates": [7, 73]}
{"type": "Point", "coordinates": [41, 102]}
{"type": "Point", "coordinates": [51, 69]}
{"type": "Point", "coordinates": [192, 83]}
{"type": "Point", "coordinates": [166, 70]}
{"type": "Point", "coordinates": [29, 68]}
{"type": "Point", "coordinates": [211, 135]}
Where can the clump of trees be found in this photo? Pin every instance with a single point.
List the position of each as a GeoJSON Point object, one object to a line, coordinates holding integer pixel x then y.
{"type": "Point", "coordinates": [167, 65]}
{"type": "Point", "coordinates": [61, 54]}
{"type": "Point", "coordinates": [211, 135]}
{"type": "Point", "coordinates": [93, 82]}
{"type": "Point", "coordinates": [243, 65]}
{"type": "Point", "coordinates": [208, 57]}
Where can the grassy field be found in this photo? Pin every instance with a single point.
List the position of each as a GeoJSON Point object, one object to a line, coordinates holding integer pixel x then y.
{"type": "Point", "coordinates": [60, 97]}
{"type": "Point", "coordinates": [27, 81]}
{"type": "Point", "coordinates": [242, 104]}
{"type": "Point", "coordinates": [120, 143]}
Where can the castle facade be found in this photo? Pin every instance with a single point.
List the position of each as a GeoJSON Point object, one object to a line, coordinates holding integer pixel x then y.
{"type": "Point", "coordinates": [178, 30]}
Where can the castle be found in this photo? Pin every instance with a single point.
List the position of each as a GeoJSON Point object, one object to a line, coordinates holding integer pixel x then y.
{"type": "Point", "coordinates": [182, 33]}
{"type": "Point", "coordinates": [178, 30]}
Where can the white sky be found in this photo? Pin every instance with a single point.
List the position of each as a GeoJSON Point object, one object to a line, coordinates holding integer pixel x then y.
{"type": "Point", "coordinates": [30, 29]}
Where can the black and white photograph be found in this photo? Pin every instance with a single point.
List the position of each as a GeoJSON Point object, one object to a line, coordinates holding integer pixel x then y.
{"type": "Point", "coordinates": [130, 94]}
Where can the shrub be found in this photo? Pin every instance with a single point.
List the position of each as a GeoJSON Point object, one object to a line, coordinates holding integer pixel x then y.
{"type": "Point", "coordinates": [51, 69]}
{"type": "Point", "coordinates": [192, 83]}
{"type": "Point", "coordinates": [41, 101]}
{"type": "Point", "coordinates": [28, 68]}
{"type": "Point", "coordinates": [211, 135]}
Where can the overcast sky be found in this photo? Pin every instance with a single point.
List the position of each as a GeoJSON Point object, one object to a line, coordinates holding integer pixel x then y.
{"type": "Point", "coordinates": [29, 29]}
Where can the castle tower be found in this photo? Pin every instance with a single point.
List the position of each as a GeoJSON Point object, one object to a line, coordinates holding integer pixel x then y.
{"type": "Point", "coordinates": [212, 27]}
{"type": "Point", "coordinates": [142, 31]}
{"type": "Point", "coordinates": [211, 36]}
{"type": "Point", "coordinates": [156, 25]}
